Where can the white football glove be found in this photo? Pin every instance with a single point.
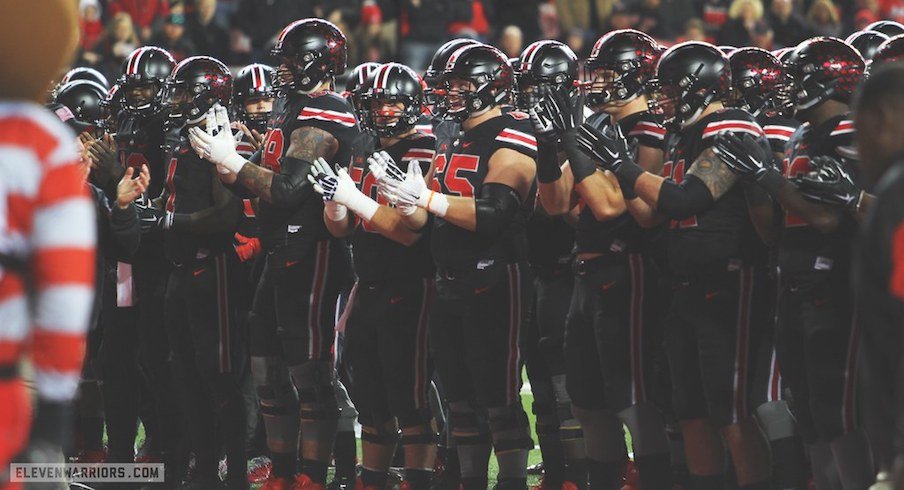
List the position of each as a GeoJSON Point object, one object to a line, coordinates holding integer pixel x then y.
{"type": "Point", "coordinates": [338, 187]}
{"type": "Point", "coordinates": [217, 144]}
{"type": "Point", "coordinates": [413, 191]}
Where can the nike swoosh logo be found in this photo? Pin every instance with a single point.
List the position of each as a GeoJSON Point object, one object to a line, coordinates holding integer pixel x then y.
{"type": "Point", "coordinates": [396, 300]}
{"type": "Point", "coordinates": [608, 285]}
{"type": "Point", "coordinates": [199, 271]}
{"type": "Point", "coordinates": [290, 263]}
{"type": "Point", "coordinates": [711, 295]}
{"type": "Point", "coordinates": [465, 145]}
{"type": "Point", "coordinates": [481, 290]}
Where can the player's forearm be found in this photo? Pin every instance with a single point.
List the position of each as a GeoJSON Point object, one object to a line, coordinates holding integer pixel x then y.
{"type": "Point", "coordinates": [416, 221]}
{"type": "Point", "coordinates": [257, 180]}
{"type": "Point", "coordinates": [603, 197]}
{"type": "Point", "coordinates": [339, 228]}
{"type": "Point", "coordinates": [462, 212]}
{"type": "Point", "coordinates": [648, 187]}
{"type": "Point", "coordinates": [762, 213]}
{"type": "Point", "coordinates": [645, 215]}
{"type": "Point", "coordinates": [389, 223]}
{"type": "Point", "coordinates": [556, 196]}
{"type": "Point", "coordinates": [824, 218]}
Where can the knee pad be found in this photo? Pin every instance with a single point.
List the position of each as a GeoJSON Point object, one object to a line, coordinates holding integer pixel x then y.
{"type": "Point", "coordinates": [647, 429]}
{"type": "Point", "coordinates": [377, 434]}
{"type": "Point", "coordinates": [776, 420]}
{"type": "Point", "coordinates": [510, 428]}
{"type": "Point", "coordinates": [543, 391]}
{"type": "Point", "coordinates": [547, 418]}
{"type": "Point", "coordinates": [271, 381]}
{"type": "Point", "coordinates": [466, 426]}
{"type": "Point", "coordinates": [314, 382]}
{"type": "Point", "coordinates": [417, 429]}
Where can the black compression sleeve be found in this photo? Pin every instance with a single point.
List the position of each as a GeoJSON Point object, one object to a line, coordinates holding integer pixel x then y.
{"type": "Point", "coordinates": [581, 165]}
{"type": "Point", "coordinates": [681, 201]}
{"type": "Point", "coordinates": [496, 206]}
{"type": "Point", "coordinates": [291, 187]}
{"type": "Point", "coordinates": [548, 169]}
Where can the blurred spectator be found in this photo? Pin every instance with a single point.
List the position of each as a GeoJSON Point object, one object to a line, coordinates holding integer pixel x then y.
{"type": "Point", "coordinates": [864, 18]}
{"type": "Point", "coordinates": [144, 13]}
{"type": "Point", "coordinates": [374, 37]}
{"type": "Point", "coordinates": [511, 41]}
{"type": "Point", "coordinates": [578, 41]}
{"type": "Point", "coordinates": [715, 13]}
{"type": "Point", "coordinates": [261, 21]}
{"type": "Point", "coordinates": [588, 15]}
{"type": "Point", "coordinates": [743, 17]}
{"type": "Point", "coordinates": [762, 36]}
{"type": "Point", "coordinates": [788, 26]}
{"type": "Point", "coordinates": [172, 38]}
{"type": "Point", "coordinates": [823, 18]}
{"type": "Point", "coordinates": [621, 17]}
{"type": "Point", "coordinates": [665, 19]}
{"type": "Point", "coordinates": [522, 13]}
{"type": "Point", "coordinates": [549, 22]}
{"type": "Point", "coordinates": [478, 27]}
{"type": "Point", "coordinates": [694, 30]}
{"type": "Point", "coordinates": [90, 25]}
{"type": "Point", "coordinates": [208, 36]}
{"type": "Point", "coordinates": [424, 26]}
{"type": "Point", "coordinates": [892, 10]}
{"type": "Point", "coordinates": [118, 40]}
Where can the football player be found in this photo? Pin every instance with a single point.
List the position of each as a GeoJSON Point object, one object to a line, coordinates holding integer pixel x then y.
{"type": "Point", "coordinates": [47, 240]}
{"type": "Point", "coordinates": [483, 197]}
{"type": "Point", "coordinates": [306, 268]}
{"type": "Point", "coordinates": [198, 216]}
{"type": "Point", "coordinates": [759, 85]}
{"type": "Point", "coordinates": [817, 339]}
{"type": "Point", "coordinates": [717, 309]}
{"type": "Point", "coordinates": [542, 66]}
{"type": "Point", "coordinates": [610, 324]}
{"type": "Point", "coordinates": [386, 330]}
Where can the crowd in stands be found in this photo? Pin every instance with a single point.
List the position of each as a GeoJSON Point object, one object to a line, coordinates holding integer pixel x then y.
{"type": "Point", "coordinates": [410, 31]}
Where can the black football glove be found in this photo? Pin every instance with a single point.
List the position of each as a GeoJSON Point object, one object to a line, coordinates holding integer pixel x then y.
{"type": "Point", "coordinates": [829, 183]}
{"type": "Point", "coordinates": [745, 155]}
{"type": "Point", "coordinates": [150, 219]}
{"type": "Point", "coordinates": [548, 169]}
{"type": "Point", "coordinates": [609, 149]}
{"type": "Point", "coordinates": [566, 112]}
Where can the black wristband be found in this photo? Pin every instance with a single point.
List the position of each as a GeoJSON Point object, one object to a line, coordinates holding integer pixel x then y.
{"type": "Point", "coordinates": [53, 422]}
{"type": "Point", "coordinates": [771, 180]}
{"type": "Point", "coordinates": [627, 175]}
{"type": "Point", "coordinates": [548, 169]}
{"type": "Point", "coordinates": [581, 165]}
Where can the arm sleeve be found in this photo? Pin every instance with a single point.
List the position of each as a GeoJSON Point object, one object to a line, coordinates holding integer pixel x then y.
{"type": "Point", "coordinates": [223, 216]}
{"type": "Point", "coordinates": [291, 187]}
{"type": "Point", "coordinates": [681, 201]}
{"type": "Point", "coordinates": [496, 207]}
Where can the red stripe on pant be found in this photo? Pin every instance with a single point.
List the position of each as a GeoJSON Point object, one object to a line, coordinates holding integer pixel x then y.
{"type": "Point", "coordinates": [638, 391]}
{"type": "Point", "coordinates": [420, 355]}
{"type": "Point", "coordinates": [741, 345]}
{"type": "Point", "coordinates": [321, 262]}
{"type": "Point", "coordinates": [514, 273]}
{"type": "Point", "coordinates": [223, 313]}
{"type": "Point", "coordinates": [848, 407]}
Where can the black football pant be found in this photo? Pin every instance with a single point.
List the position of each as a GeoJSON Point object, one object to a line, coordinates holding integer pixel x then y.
{"type": "Point", "coordinates": [207, 360]}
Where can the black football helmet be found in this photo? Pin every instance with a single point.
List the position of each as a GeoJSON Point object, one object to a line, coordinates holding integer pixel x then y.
{"type": "Point", "coordinates": [490, 77]}
{"type": "Point", "coordinates": [81, 73]}
{"type": "Point", "coordinates": [433, 75]}
{"type": "Point", "coordinates": [689, 77]}
{"type": "Point", "coordinates": [389, 84]}
{"type": "Point", "coordinates": [619, 67]}
{"type": "Point", "coordinates": [866, 43]}
{"type": "Point", "coordinates": [890, 51]}
{"type": "Point", "coordinates": [110, 107]}
{"type": "Point", "coordinates": [311, 51]}
{"type": "Point", "coordinates": [197, 84]}
{"type": "Point", "coordinates": [727, 50]}
{"type": "Point", "coordinates": [83, 98]}
{"type": "Point", "coordinates": [545, 64]}
{"type": "Point", "coordinates": [823, 68]}
{"type": "Point", "coordinates": [356, 85]}
{"type": "Point", "coordinates": [759, 83]}
{"type": "Point", "coordinates": [254, 81]}
{"type": "Point", "coordinates": [147, 66]}
{"type": "Point", "coordinates": [888, 27]}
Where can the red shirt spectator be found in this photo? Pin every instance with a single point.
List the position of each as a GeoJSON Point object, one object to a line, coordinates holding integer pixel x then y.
{"type": "Point", "coordinates": [90, 25]}
{"type": "Point", "coordinates": [892, 10]}
{"type": "Point", "coordinates": [143, 12]}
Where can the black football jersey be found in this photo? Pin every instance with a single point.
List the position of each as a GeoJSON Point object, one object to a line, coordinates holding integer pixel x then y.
{"type": "Point", "coordinates": [621, 234]}
{"type": "Point", "coordinates": [462, 174]}
{"type": "Point", "coordinates": [189, 189]}
{"type": "Point", "coordinates": [778, 131]}
{"type": "Point", "coordinates": [802, 247]}
{"type": "Point", "coordinates": [550, 240]}
{"type": "Point", "coordinates": [293, 230]}
{"type": "Point", "coordinates": [248, 224]}
{"type": "Point", "coordinates": [378, 258]}
{"type": "Point", "coordinates": [140, 141]}
{"type": "Point", "coordinates": [722, 236]}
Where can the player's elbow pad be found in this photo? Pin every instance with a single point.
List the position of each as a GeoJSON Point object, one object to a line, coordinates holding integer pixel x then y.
{"type": "Point", "coordinates": [496, 207]}
{"type": "Point", "coordinates": [681, 201]}
{"type": "Point", "coordinates": [291, 187]}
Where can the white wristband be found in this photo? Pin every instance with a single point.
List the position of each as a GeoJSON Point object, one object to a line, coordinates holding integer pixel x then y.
{"type": "Point", "coordinates": [234, 163]}
{"type": "Point", "coordinates": [434, 202]}
{"type": "Point", "coordinates": [362, 205]}
{"type": "Point", "coordinates": [335, 211]}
